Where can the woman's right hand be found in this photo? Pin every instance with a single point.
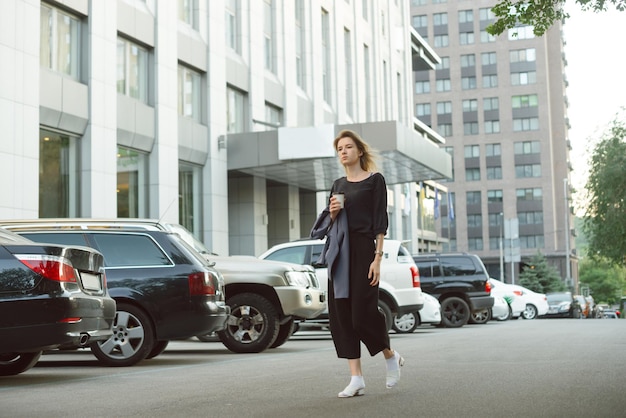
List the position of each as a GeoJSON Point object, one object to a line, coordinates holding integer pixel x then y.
{"type": "Point", "coordinates": [334, 207]}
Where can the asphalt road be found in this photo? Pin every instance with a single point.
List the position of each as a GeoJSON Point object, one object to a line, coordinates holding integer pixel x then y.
{"type": "Point", "coordinates": [540, 368]}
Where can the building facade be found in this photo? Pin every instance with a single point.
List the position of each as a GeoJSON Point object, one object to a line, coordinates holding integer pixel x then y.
{"type": "Point", "coordinates": [217, 114]}
{"type": "Point", "coordinates": [501, 104]}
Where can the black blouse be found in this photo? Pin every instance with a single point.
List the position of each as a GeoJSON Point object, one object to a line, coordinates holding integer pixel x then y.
{"type": "Point", "coordinates": [365, 204]}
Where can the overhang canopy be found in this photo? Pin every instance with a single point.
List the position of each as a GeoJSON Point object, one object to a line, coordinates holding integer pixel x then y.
{"type": "Point", "coordinates": [305, 157]}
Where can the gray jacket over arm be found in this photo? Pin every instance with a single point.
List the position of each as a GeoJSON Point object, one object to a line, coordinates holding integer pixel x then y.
{"type": "Point", "coordinates": [336, 252]}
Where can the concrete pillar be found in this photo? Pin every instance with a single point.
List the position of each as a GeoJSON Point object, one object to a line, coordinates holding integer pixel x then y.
{"type": "Point", "coordinates": [248, 220]}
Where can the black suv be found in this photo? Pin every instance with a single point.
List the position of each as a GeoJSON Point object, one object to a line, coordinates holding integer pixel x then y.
{"type": "Point", "coordinates": [459, 281]}
{"type": "Point", "coordinates": [164, 289]}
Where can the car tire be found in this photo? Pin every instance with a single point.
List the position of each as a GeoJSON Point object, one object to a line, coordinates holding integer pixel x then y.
{"type": "Point", "coordinates": [406, 324]}
{"type": "Point", "coordinates": [480, 317]}
{"type": "Point", "coordinates": [386, 311]}
{"type": "Point", "coordinates": [455, 312]}
{"type": "Point", "coordinates": [506, 317]}
{"type": "Point", "coordinates": [284, 333]}
{"type": "Point", "coordinates": [252, 325]}
{"type": "Point", "coordinates": [158, 348]}
{"type": "Point", "coordinates": [16, 363]}
{"type": "Point", "coordinates": [132, 340]}
{"type": "Point", "coordinates": [530, 312]}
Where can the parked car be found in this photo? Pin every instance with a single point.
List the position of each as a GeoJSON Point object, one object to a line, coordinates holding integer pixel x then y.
{"type": "Point", "coordinates": [610, 314]}
{"type": "Point", "coordinates": [164, 289]}
{"type": "Point", "coordinates": [399, 288]}
{"type": "Point", "coordinates": [536, 303]}
{"type": "Point", "coordinates": [511, 294]}
{"type": "Point", "coordinates": [499, 311]}
{"type": "Point", "coordinates": [429, 314]}
{"type": "Point", "coordinates": [459, 281]}
{"type": "Point", "coordinates": [51, 296]}
{"type": "Point", "coordinates": [265, 298]}
{"type": "Point", "coordinates": [562, 305]}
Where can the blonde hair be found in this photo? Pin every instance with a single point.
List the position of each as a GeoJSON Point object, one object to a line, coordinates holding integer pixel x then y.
{"type": "Point", "coordinates": [369, 155]}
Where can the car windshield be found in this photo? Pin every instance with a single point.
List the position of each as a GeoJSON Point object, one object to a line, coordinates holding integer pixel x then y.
{"type": "Point", "coordinates": [559, 297]}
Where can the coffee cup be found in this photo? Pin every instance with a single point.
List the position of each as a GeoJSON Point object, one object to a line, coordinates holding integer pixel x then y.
{"type": "Point", "coordinates": [340, 198]}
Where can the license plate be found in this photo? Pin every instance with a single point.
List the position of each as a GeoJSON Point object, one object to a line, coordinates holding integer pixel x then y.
{"type": "Point", "coordinates": [91, 281]}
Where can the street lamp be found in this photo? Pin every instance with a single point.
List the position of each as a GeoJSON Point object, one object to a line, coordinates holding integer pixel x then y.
{"type": "Point", "coordinates": [501, 249]}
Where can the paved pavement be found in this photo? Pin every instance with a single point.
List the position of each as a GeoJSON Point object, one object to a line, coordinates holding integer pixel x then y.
{"type": "Point", "coordinates": [540, 368]}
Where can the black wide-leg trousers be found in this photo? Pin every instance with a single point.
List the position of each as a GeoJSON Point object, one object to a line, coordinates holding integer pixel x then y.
{"type": "Point", "coordinates": [357, 318]}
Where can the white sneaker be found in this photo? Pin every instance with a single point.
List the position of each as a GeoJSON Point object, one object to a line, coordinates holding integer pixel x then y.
{"type": "Point", "coordinates": [351, 391]}
{"type": "Point", "coordinates": [393, 376]}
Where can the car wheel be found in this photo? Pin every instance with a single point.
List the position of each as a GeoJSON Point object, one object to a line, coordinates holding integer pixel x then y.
{"type": "Point", "coordinates": [506, 316]}
{"type": "Point", "coordinates": [481, 317]}
{"type": "Point", "coordinates": [16, 363]}
{"type": "Point", "coordinates": [384, 308]}
{"type": "Point", "coordinates": [252, 325]}
{"type": "Point", "coordinates": [132, 340]}
{"type": "Point", "coordinates": [455, 312]}
{"type": "Point", "coordinates": [158, 348]}
{"type": "Point", "coordinates": [405, 324]}
{"type": "Point", "coordinates": [284, 333]}
{"type": "Point", "coordinates": [530, 312]}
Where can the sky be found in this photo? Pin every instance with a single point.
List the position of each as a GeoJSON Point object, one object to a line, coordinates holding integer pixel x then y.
{"type": "Point", "coordinates": [596, 72]}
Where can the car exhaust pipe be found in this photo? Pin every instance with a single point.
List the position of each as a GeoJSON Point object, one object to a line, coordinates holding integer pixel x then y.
{"type": "Point", "coordinates": [84, 339]}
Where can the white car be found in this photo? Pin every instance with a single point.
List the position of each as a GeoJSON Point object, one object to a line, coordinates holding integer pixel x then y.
{"type": "Point", "coordinates": [429, 314]}
{"type": "Point", "coordinates": [536, 303]}
{"type": "Point", "coordinates": [511, 294]}
{"type": "Point", "coordinates": [499, 311]}
{"type": "Point", "coordinates": [399, 288]}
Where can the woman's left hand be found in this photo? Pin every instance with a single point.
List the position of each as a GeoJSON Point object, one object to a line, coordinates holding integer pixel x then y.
{"type": "Point", "coordinates": [374, 273]}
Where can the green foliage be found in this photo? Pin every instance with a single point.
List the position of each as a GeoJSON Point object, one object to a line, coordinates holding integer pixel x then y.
{"type": "Point", "coordinates": [541, 277]}
{"type": "Point", "coordinates": [541, 14]}
{"type": "Point", "coordinates": [606, 280]}
{"type": "Point", "coordinates": [605, 221]}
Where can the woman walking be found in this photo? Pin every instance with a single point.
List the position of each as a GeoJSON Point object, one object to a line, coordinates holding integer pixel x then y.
{"type": "Point", "coordinates": [355, 223]}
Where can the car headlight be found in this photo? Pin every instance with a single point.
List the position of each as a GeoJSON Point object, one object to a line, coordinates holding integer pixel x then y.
{"type": "Point", "coordinates": [565, 306]}
{"type": "Point", "coordinates": [298, 278]}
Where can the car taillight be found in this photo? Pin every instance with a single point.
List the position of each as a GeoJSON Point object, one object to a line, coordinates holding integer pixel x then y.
{"type": "Point", "coordinates": [201, 283]}
{"type": "Point", "coordinates": [51, 267]}
{"type": "Point", "coordinates": [415, 274]}
{"type": "Point", "coordinates": [487, 286]}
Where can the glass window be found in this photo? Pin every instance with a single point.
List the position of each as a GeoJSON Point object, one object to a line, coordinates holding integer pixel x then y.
{"type": "Point", "coordinates": [470, 128]}
{"type": "Point", "coordinates": [486, 37]}
{"type": "Point", "coordinates": [494, 196]}
{"type": "Point", "coordinates": [59, 41]}
{"type": "Point", "coordinates": [474, 221]}
{"type": "Point", "coordinates": [419, 22]}
{"type": "Point", "coordinates": [472, 151]}
{"type": "Point", "coordinates": [422, 109]}
{"type": "Point", "coordinates": [440, 19]}
{"type": "Point", "coordinates": [296, 255]}
{"type": "Point", "coordinates": [443, 85]}
{"type": "Point", "coordinates": [494, 173]}
{"type": "Point", "coordinates": [132, 70]}
{"type": "Point", "coordinates": [444, 129]}
{"type": "Point", "coordinates": [529, 194]}
{"type": "Point", "coordinates": [527, 170]}
{"type": "Point", "coordinates": [521, 32]}
{"type": "Point", "coordinates": [470, 105]}
{"type": "Point", "coordinates": [492, 126]}
{"type": "Point", "coordinates": [523, 55]}
{"type": "Point", "coordinates": [269, 27]}
{"type": "Point", "coordinates": [466, 16]}
{"type": "Point", "coordinates": [273, 116]}
{"type": "Point", "coordinates": [59, 175]}
{"type": "Point", "coordinates": [468, 60]}
{"type": "Point", "coordinates": [440, 41]}
{"type": "Point", "coordinates": [473, 198]}
{"type": "Point", "coordinates": [475, 244]}
{"type": "Point", "coordinates": [490, 81]}
{"type": "Point", "coordinates": [132, 183]}
{"type": "Point", "coordinates": [468, 83]}
{"type": "Point", "coordinates": [466, 38]}
{"type": "Point", "coordinates": [235, 110]}
{"type": "Point", "coordinates": [123, 250]}
{"type": "Point", "coordinates": [531, 241]}
{"type": "Point", "coordinates": [527, 147]}
{"type": "Point", "coordinates": [525, 124]}
{"type": "Point", "coordinates": [492, 150]}
{"type": "Point", "coordinates": [530, 218]}
{"type": "Point", "coordinates": [528, 100]}
{"type": "Point", "coordinates": [491, 103]}
{"type": "Point", "coordinates": [422, 87]}
{"type": "Point", "coordinates": [472, 174]}
{"type": "Point", "coordinates": [458, 266]}
{"type": "Point", "coordinates": [523, 78]}
{"type": "Point", "coordinates": [444, 108]}
{"type": "Point", "coordinates": [488, 58]}
{"type": "Point", "coordinates": [187, 13]}
{"type": "Point", "coordinates": [444, 64]}
{"type": "Point", "coordinates": [300, 45]}
{"type": "Point", "coordinates": [349, 76]}
{"type": "Point", "coordinates": [485, 14]}
{"type": "Point", "coordinates": [326, 56]}
{"type": "Point", "coordinates": [232, 25]}
{"type": "Point", "coordinates": [189, 93]}
{"type": "Point", "coordinates": [189, 192]}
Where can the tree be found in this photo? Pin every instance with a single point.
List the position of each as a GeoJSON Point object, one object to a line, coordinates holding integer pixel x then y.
{"type": "Point", "coordinates": [605, 221]}
{"type": "Point", "coordinates": [541, 14]}
{"type": "Point", "coordinates": [605, 279]}
{"type": "Point", "coordinates": [541, 277]}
